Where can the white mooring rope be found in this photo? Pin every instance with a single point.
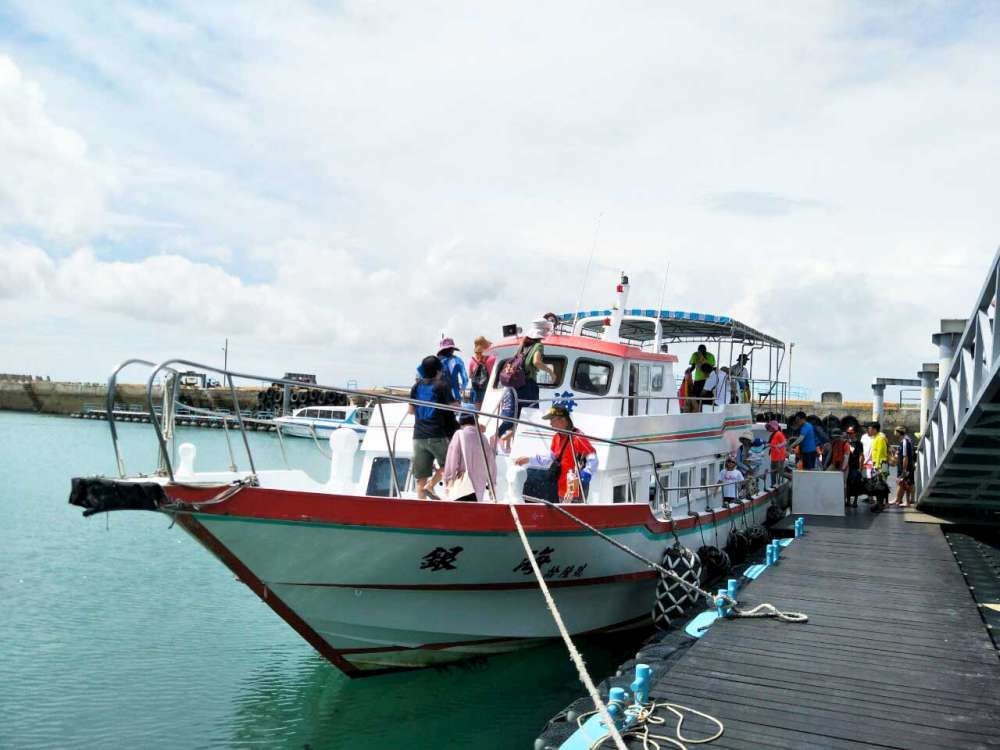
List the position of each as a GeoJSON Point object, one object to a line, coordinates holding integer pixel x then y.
{"type": "Point", "coordinates": [761, 610]}
{"type": "Point", "coordinates": [581, 668]}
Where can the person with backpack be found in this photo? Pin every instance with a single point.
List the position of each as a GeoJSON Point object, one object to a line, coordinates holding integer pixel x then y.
{"type": "Point", "coordinates": [905, 468]}
{"type": "Point", "coordinates": [480, 367]}
{"type": "Point", "coordinates": [520, 371]}
{"type": "Point", "coordinates": [432, 428]}
{"type": "Point", "coordinates": [453, 367]}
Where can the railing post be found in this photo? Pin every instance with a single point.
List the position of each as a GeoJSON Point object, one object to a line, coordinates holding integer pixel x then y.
{"type": "Point", "coordinates": [388, 447]}
{"type": "Point", "coordinates": [239, 420]}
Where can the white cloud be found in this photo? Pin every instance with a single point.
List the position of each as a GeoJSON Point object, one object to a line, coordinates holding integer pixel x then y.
{"type": "Point", "coordinates": [49, 181]}
{"type": "Point", "coordinates": [365, 171]}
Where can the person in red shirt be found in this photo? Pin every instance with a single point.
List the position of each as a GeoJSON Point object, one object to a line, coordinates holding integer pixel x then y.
{"type": "Point", "coordinates": [570, 452]}
{"type": "Point", "coordinates": [779, 452]}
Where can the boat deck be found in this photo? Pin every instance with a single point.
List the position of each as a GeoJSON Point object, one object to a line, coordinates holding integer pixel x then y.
{"type": "Point", "coordinates": [897, 653]}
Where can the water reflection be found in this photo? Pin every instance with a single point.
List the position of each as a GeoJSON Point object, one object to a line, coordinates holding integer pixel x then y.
{"type": "Point", "coordinates": [300, 701]}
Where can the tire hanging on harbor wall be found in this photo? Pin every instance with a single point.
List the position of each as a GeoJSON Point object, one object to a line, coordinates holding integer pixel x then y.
{"type": "Point", "coordinates": [672, 598]}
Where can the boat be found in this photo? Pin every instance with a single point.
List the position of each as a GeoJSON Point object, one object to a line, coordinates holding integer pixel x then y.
{"type": "Point", "coordinates": [377, 580]}
{"type": "Point", "coordinates": [321, 421]}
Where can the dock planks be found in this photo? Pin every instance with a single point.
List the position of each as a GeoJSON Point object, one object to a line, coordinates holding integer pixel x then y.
{"type": "Point", "coordinates": [895, 654]}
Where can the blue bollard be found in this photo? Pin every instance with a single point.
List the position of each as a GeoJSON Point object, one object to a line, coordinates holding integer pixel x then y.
{"type": "Point", "coordinates": [770, 555]}
{"type": "Point", "coordinates": [616, 705]}
{"type": "Point", "coordinates": [640, 687]}
{"type": "Point", "coordinates": [732, 587]}
{"type": "Point", "coordinates": [802, 524]}
{"type": "Point", "coordinates": [721, 607]}
{"type": "Point", "coordinates": [776, 546]}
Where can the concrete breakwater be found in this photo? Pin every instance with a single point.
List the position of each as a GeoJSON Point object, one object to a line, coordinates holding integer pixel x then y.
{"type": "Point", "coordinates": [71, 398]}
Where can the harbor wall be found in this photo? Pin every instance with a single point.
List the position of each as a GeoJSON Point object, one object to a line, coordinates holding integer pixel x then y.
{"type": "Point", "coordinates": [70, 398]}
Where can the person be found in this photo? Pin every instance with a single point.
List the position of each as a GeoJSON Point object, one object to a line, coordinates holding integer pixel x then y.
{"type": "Point", "coordinates": [685, 391]}
{"type": "Point", "coordinates": [453, 367]}
{"type": "Point", "coordinates": [759, 458]}
{"type": "Point", "coordinates": [905, 468]}
{"type": "Point", "coordinates": [432, 428]}
{"type": "Point", "coordinates": [730, 478]}
{"type": "Point", "coordinates": [824, 444]}
{"type": "Point", "coordinates": [699, 358]}
{"type": "Point", "coordinates": [508, 411]}
{"type": "Point", "coordinates": [779, 451]}
{"type": "Point", "coordinates": [880, 449]}
{"type": "Point", "coordinates": [571, 453]}
{"type": "Point", "coordinates": [855, 466]}
{"type": "Point", "coordinates": [743, 453]}
{"type": "Point", "coordinates": [840, 451]}
{"type": "Point", "coordinates": [866, 448]}
{"type": "Point", "coordinates": [480, 367]}
{"type": "Point", "coordinates": [534, 360]}
{"type": "Point", "coordinates": [470, 453]}
{"type": "Point", "coordinates": [716, 383]}
{"type": "Point", "coordinates": [806, 440]}
{"type": "Point", "coordinates": [740, 376]}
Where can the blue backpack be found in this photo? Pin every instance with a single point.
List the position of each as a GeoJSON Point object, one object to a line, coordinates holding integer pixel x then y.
{"type": "Point", "coordinates": [425, 392]}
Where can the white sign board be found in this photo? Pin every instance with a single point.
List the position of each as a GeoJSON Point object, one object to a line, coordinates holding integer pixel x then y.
{"type": "Point", "coordinates": [818, 493]}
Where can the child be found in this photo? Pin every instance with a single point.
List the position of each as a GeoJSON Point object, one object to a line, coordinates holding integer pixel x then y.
{"type": "Point", "coordinates": [730, 478]}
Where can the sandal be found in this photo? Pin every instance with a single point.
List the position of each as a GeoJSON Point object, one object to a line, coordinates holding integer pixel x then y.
{"type": "Point", "coordinates": [431, 495]}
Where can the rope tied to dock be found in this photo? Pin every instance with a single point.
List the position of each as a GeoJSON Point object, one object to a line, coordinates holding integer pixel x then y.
{"type": "Point", "coordinates": [761, 610]}
{"type": "Point", "coordinates": [574, 654]}
{"type": "Point", "coordinates": [646, 716]}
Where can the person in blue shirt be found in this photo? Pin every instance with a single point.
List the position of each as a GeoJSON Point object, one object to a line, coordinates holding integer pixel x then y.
{"type": "Point", "coordinates": [453, 367]}
{"type": "Point", "coordinates": [806, 441]}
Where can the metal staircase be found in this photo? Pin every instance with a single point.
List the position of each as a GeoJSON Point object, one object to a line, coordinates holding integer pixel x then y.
{"type": "Point", "coordinates": [958, 460]}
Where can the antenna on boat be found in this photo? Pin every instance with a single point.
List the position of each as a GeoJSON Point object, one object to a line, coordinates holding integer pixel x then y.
{"type": "Point", "coordinates": [586, 273]}
{"type": "Point", "coordinates": [657, 324]}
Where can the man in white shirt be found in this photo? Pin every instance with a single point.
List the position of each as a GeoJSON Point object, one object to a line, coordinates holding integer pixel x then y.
{"type": "Point", "coordinates": [718, 383]}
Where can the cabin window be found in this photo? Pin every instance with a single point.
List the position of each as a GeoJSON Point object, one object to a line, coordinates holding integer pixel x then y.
{"type": "Point", "coordinates": [311, 413]}
{"type": "Point", "coordinates": [704, 476]}
{"type": "Point", "coordinates": [618, 493]}
{"type": "Point", "coordinates": [336, 414]}
{"type": "Point", "coordinates": [592, 376]}
{"type": "Point", "coordinates": [644, 379]}
{"type": "Point", "coordinates": [683, 482]}
{"type": "Point", "coordinates": [656, 381]}
{"type": "Point", "coordinates": [541, 377]}
{"type": "Point", "coordinates": [380, 480]}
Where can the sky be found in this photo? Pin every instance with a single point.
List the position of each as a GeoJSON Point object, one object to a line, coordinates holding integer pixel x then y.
{"type": "Point", "coordinates": [332, 185]}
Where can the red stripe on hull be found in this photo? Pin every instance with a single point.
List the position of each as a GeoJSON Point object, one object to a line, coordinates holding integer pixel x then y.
{"type": "Point", "coordinates": [429, 515]}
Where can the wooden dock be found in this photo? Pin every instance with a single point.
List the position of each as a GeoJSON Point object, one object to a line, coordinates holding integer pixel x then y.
{"type": "Point", "coordinates": [895, 654]}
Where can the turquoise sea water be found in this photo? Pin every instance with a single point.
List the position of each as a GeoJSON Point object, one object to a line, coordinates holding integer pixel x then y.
{"type": "Point", "coordinates": [119, 632]}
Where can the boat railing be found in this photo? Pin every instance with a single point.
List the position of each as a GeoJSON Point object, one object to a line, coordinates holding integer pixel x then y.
{"type": "Point", "coordinates": [111, 407]}
{"type": "Point", "coordinates": [163, 420]}
{"type": "Point", "coordinates": [747, 488]}
{"type": "Point", "coordinates": [770, 402]}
